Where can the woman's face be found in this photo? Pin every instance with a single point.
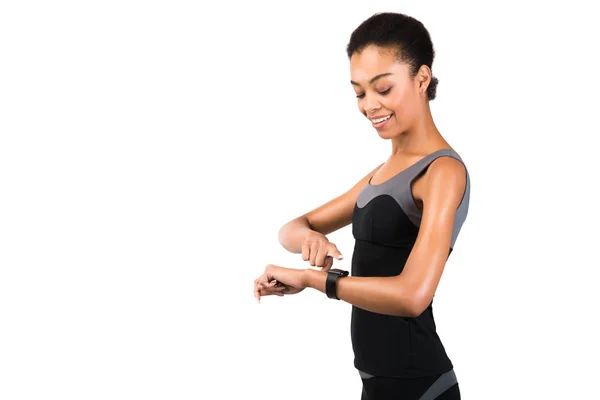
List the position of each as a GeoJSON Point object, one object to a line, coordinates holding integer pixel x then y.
{"type": "Point", "coordinates": [387, 95]}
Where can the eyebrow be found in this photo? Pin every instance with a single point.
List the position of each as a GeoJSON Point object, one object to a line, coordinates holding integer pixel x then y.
{"type": "Point", "coordinates": [373, 79]}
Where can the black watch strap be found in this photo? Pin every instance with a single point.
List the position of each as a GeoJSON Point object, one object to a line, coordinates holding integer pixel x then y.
{"type": "Point", "coordinates": [331, 282]}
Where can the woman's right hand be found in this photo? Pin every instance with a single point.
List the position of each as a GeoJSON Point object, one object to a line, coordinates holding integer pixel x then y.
{"type": "Point", "coordinates": [319, 251]}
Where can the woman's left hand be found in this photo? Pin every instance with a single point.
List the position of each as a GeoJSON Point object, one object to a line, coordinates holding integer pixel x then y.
{"type": "Point", "coordinates": [288, 281]}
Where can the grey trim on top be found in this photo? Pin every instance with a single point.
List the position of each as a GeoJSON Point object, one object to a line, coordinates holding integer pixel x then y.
{"type": "Point", "coordinates": [399, 188]}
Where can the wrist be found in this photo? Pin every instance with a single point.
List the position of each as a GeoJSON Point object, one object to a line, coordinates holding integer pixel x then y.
{"type": "Point", "coordinates": [315, 279]}
{"type": "Point", "coordinates": [313, 235]}
{"type": "Point", "coordinates": [307, 277]}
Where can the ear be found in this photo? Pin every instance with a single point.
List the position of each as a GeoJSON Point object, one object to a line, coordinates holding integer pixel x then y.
{"type": "Point", "coordinates": [423, 78]}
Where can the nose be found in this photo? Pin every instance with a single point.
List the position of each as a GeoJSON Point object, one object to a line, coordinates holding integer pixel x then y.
{"type": "Point", "coordinates": [370, 105]}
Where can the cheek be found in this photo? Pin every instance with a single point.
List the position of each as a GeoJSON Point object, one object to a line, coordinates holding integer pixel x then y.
{"type": "Point", "coordinates": [400, 103]}
{"type": "Point", "coordinates": [397, 104]}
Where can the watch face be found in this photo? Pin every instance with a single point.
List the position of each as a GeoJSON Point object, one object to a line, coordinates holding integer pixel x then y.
{"type": "Point", "coordinates": [338, 271]}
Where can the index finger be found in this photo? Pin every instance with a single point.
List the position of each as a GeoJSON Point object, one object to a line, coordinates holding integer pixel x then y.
{"type": "Point", "coordinates": [334, 252]}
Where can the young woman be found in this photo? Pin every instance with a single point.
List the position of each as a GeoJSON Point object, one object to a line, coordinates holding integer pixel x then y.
{"type": "Point", "coordinates": [406, 215]}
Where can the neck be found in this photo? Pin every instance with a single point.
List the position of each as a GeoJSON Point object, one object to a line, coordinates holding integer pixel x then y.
{"type": "Point", "coordinates": [420, 138]}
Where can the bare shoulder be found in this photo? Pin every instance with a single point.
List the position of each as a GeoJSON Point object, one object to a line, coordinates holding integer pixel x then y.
{"type": "Point", "coordinates": [447, 167]}
{"type": "Point", "coordinates": [446, 180]}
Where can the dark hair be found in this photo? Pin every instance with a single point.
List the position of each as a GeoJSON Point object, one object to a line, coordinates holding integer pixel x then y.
{"type": "Point", "coordinates": [405, 34]}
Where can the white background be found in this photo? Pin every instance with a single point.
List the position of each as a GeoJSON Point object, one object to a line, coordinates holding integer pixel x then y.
{"type": "Point", "coordinates": [150, 152]}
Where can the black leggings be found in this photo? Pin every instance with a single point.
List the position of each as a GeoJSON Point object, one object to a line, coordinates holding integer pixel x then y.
{"type": "Point", "coordinates": [427, 388]}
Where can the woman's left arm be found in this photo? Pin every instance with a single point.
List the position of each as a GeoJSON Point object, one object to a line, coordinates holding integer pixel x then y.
{"type": "Point", "coordinates": [409, 293]}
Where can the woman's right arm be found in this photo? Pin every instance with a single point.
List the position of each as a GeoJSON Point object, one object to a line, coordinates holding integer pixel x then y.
{"type": "Point", "coordinates": [327, 218]}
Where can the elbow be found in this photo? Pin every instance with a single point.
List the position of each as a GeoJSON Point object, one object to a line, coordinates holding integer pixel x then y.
{"type": "Point", "coordinates": [415, 304]}
{"type": "Point", "coordinates": [412, 310]}
{"type": "Point", "coordinates": [287, 233]}
{"type": "Point", "coordinates": [283, 236]}
{"type": "Point", "coordinates": [413, 297]}
{"type": "Point", "coordinates": [283, 233]}
{"type": "Point", "coordinates": [280, 236]}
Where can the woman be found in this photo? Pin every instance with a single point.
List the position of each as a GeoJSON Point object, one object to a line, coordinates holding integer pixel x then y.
{"type": "Point", "coordinates": [406, 215]}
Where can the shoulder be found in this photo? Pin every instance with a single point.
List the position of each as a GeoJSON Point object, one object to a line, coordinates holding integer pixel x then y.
{"type": "Point", "coordinates": [446, 180]}
{"type": "Point", "coordinates": [447, 167]}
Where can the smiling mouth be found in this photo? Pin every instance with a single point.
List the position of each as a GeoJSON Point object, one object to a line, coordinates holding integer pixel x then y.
{"type": "Point", "coordinates": [379, 120]}
{"type": "Point", "coordinates": [382, 119]}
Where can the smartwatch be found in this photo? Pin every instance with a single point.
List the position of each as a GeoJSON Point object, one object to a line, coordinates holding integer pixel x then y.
{"type": "Point", "coordinates": [331, 282]}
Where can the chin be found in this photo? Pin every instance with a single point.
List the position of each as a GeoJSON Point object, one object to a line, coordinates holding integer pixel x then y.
{"type": "Point", "coordinates": [386, 134]}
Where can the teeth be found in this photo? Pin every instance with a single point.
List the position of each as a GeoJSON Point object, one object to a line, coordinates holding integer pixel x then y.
{"type": "Point", "coordinates": [382, 119]}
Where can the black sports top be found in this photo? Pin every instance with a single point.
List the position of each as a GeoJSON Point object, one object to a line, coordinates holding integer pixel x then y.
{"type": "Point", "coordinates": [385, 224]}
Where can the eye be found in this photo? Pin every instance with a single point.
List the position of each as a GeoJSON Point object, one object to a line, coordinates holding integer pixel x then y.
{"type": "Point", "coordinates": [383, 93]}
